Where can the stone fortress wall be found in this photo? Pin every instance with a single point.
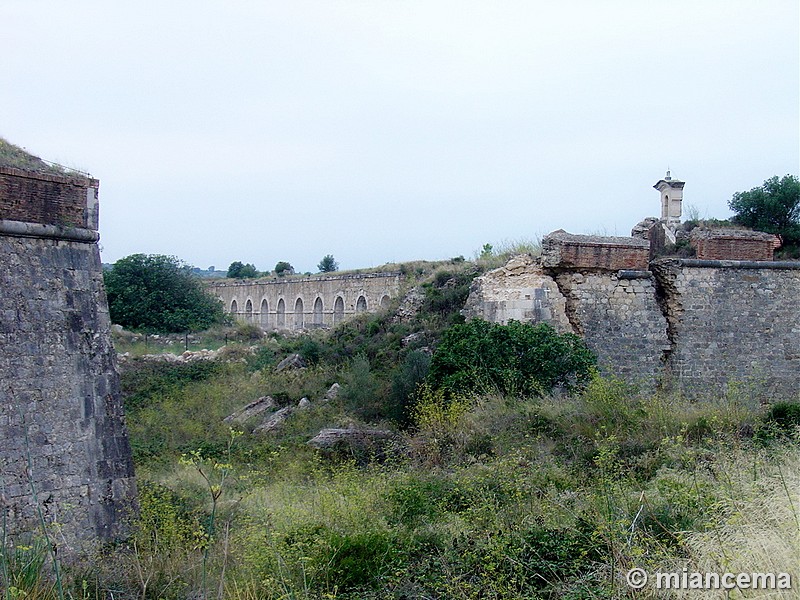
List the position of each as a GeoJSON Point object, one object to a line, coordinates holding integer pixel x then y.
{"type": "Point", "coordinates": [700, 325]}
{"type": "Point", "coordinates": [296, 303]}
{"type": "Point", "coordinates": [63, 444]}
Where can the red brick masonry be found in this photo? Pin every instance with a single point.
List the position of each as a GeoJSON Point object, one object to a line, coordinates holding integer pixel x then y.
{"type": "Point", "coordinates": [564, 250]}
{"type": "Point", "coordinates": [733, 244]}
{"type": "Point", "coordinates": [46, 199]}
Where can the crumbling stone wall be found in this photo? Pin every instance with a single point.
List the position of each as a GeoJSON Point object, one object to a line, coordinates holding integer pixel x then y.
{"type": "Point", "coordinates": [63, 443]}
{"type": "Point", "coordinates": [732, 322]}
{"type": "Point", "coordinates": [620, 320]}
{"type": "Point", "coordinates": [699, 325]}
{"type": "Point", "coordinates": [519, 291]}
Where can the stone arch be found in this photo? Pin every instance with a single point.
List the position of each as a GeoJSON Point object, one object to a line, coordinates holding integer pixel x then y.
{"type": "Point", "coordinates": [385, 301]}
{"type": "Point", "coordinates": [281, 314]}
{"type": "Point", "coordinates": [234, 307]}
{"type": "Point", "coordinates": [264, 314]}
{"type": "Point", "coordinates": [338, 310]}
{"type": "Point", "coordinates": [318, 312]}
{"type": "Point", "coordinates": [248, 310]}
{"type": "Point", "coordinates": [361, 304]}
{"type": "Point", "coordinates": [298, 314]}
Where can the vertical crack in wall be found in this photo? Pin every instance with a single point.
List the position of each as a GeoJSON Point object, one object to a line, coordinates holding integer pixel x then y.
{"type": "Point", "coordinates": [668, 300]}
{"type": "Point", "coordinates": [564, 281]}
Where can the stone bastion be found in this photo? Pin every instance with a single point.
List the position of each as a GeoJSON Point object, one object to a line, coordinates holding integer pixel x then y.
{"type": "Point", "coordinates": [64, 450]}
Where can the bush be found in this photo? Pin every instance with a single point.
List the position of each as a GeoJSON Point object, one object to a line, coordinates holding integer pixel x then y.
{"type": "Point", "coordinates": [785, 415]}
{"type": "Point", "coordinates": [405, 381]}
{"type": "Point", "coordinates": [159, 293]}
{"type": "Point", "coordinates": [145, 381]}
{"type": "Point", "coordinates": [361, 390]}
{"type": "Point", "coordinates": [514, 359]}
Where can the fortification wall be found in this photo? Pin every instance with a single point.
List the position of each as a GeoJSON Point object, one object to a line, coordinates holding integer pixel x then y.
{"type": "Point", "coordinates": [732, 322]}
{"type": "Point", "coordinates": [308, 302]}
{"type": "Point", "coordinates": [699, 325]}
{"type": "Point", "coordinates": [63, 444]}
{"type": "Point", "coordinates": [620, 320]}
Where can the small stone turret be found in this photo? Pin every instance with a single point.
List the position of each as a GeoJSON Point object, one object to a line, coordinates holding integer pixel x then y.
{"type": "Point", "coordinates": [671, 191]}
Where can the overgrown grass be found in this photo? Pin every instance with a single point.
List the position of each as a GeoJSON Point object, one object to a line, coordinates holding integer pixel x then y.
{"type": "Point", "coordinates": [484, 496]}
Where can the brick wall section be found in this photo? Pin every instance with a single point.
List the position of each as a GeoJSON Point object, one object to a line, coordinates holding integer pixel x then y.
{"type": "Point", "coordinates": [733, 244]}
{"type": "Point", "coordinates": [620, 320]}
{"type": "Point", "coordinates": [47, 199]}
{"type": "Point", "coordinates": [561, 250]}
{"type": "Point", "coordinates": [732, 323]}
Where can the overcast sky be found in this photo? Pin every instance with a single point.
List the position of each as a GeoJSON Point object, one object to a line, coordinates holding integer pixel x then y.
{"type": "Point", "coordinates": [392, 130]}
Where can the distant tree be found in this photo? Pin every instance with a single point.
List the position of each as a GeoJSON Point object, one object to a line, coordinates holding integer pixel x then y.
{"type": "Point", "coordinates": [328, 264]}
{"type": "Point", "coordinates": [487, 251]}
{"type": "Point", "coordinates": [774, 207]}
{"type": "Point", "coordinates": [152, 292]}
{"type": "Point", "coordinates": [239, 270]}
{"type": "Point", "coordinates": [284, 268]}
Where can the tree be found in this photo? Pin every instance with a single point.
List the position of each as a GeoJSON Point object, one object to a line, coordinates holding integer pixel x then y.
{"type": "Point", "coordinates": [514, 359]}
{"type": "Point", "coordinates": [328, 264]}
{"type": "Point", "coordinates": [774, 207]}
{"type": "Point", "coordinates": [152, 292]}
{"type": "Point", "coordinates": [239, 270]}
{"type": "Point", "coordinates": [283, 268]}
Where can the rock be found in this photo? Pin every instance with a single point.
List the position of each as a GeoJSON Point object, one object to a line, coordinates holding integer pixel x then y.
{"type": "Point", "coordinates": [409, 305]}
{"type": "Point", "coordinates": [274, 421]}
{"type": "Point", "coordinates": [304, 404]}
{"type": "Point", "coordinates": [293, 361]}
{"type": "Point", "coordinates": [256, 407]}
{"type": "Point", "coordinates": [332, 392]}
{"type": "Point", "coordinates": [328, 439]}
{"type": "Point", "coordinates": [411, 337]}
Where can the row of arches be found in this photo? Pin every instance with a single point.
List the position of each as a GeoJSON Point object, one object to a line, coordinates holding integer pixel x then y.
{"type": "Point", "coordinates": [297, 318]}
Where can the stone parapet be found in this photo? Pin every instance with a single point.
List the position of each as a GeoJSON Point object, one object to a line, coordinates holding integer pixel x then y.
{"type": "Point", "coordinates": [733, 244]}
{"type": "Point", "coordinates": [48, 199]}
{"type": "Point", "coordinates": [562, 250]}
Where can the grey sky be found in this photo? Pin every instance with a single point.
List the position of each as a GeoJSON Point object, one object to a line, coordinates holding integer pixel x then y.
{"type": "Point", "coordinates": [395, 130]}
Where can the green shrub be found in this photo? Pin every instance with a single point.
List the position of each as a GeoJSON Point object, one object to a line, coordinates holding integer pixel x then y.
{"type": "Point", "coordinates": [159, 293]}
{"type": "Point", "coordinates": [361, 390]}
{"type": "Point", "coordinates": [515, 359]}
{"type": "Point", "coordinates": [405, 381]}
{"type": "Point", "coordinates": [785, 415]}
{"type": "Point", "coordinates": [165, 523]}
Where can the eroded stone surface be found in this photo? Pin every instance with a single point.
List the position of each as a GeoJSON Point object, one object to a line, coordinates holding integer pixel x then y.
{"type": "Point", "coordinates": [520, 291]}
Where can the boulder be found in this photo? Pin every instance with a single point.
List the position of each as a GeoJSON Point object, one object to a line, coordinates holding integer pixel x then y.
{"type": "Point", "coordinates": [332, 392]}
{"type": "Point", "coordinates": [256, 407]}
{"type": "Point", "coordinates": [293, 361]}
{"type": "Point", "coordinates": [274, 421]}
{"type": "Point", "coordinates": [304, 404]}
{"type": "Point", "coordinates": [329, 439]}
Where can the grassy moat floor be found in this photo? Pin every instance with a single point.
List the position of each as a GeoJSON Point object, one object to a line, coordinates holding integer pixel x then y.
{"type": "Point", "coordinates": [555, 495]}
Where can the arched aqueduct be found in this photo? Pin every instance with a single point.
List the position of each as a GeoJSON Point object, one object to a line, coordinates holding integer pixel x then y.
{"type": "Point", "coordinates": [307, 302]}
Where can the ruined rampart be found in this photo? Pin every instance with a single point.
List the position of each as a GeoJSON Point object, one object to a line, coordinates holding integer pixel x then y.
{"type": "Point", "coordinates": [63, 445]}
{"type": "Point", "coordinates": [700, 325]}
